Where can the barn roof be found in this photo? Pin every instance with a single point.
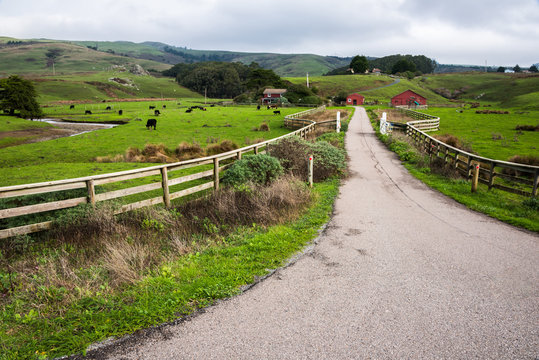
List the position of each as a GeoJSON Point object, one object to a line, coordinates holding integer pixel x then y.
{"type": "Point", "coordinates": [413, 92]}
{"type": "Point", "coordinates": [356, 94]}
{"type": "Point", "coordinates": [274, 91]}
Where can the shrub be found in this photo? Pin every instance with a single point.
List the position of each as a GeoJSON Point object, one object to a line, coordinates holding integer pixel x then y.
{"type": "Point", "coordinates": [261, 169]}
{"type": "Point", "coordinates": [247, 204]}
{"type": "Point", "coordinates": [328, 160]}
{"type": "Point", "coordinates": [293, 154]}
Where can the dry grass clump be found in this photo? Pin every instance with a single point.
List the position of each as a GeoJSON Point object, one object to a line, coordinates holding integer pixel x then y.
{"type": "Point", "coordinates": [522, 159]}
{"type": "Point", "coordinates": [156, 153]}
{"type": "Point", "coordinates": [278, 203]}
{"type": "Point", "coordinates": [186, 151]}
{"type": "Point", "coordinates": [223, 146]}
{"type": "Point", "coordinates": [527, 127]}
{"type": "Point", "coordinates": [264, 127]}
{"type": "Point", "coordinates": [454, 141]}
{"type": "Point", "coordinates": [249, 141]}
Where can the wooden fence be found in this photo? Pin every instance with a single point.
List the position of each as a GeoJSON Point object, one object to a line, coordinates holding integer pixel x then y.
{"type": "Point", "coordinates": [512, 177]}
{"type": "Point", "coordinates": [212, 167]}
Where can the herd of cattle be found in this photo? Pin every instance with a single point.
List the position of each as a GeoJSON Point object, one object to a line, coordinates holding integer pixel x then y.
{"type": "Point", "coordinates": [152, 123]}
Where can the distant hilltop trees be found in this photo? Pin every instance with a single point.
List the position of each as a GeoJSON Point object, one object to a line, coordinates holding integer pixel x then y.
{"type": "Point", "coordinates": [389, 64]}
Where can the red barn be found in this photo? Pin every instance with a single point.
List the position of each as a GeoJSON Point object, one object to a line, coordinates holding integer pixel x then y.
{"type": "Point", "coordinates": [355, 99]}
{"type": "Point", "coordinates": [272, 96]}
{"type": "Point", "coordinates": [408, 98]}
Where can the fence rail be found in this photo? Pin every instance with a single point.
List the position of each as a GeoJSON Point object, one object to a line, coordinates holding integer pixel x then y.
{"type": "Point", "coordinates": [509, 174]}
{"type": "Point", "coordinates": [162, 171]}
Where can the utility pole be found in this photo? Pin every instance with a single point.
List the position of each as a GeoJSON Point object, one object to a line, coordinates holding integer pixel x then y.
{"type": "Point", "coordinates": [307, 79]}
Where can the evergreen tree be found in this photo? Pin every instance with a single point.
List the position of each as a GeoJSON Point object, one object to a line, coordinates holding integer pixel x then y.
{"type": "Point", "coordinates": [533, 68]}
{"type": "Point", "coordinates": [19, 94]}
{"type": "Point", "coordinates": [359, 64]}
{"type": "Point", "coordinates": [517, 68]}
{"type": "Point", "coordinates": [403, 65]}
{"type": "Point", "coordinates": [501, 69]}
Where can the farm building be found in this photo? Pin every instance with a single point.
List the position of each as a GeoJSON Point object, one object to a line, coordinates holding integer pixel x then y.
{"type": "Point", "coordinates": [272, 96]}
{"type": "Point", "coordinates": [408, 98]}
{"type": "Point", "coordinates": [355, 99]}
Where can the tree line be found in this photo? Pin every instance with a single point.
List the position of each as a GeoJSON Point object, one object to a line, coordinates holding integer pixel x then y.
{"type": "Point", "coordinates": [243, 83]}
{"type": "Point", "coordinates": [392, 64]}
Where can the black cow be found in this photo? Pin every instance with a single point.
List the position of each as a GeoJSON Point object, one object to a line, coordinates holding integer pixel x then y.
{"type": "Point", "coordinates": [156, 112]}
{"type": "Point", "coordinates": [188, 110]}
{"type": "Point", "coordinates": [71, 107]}
{"type": "Point", "coordinates": [151, 123]}
{"type": "Point", "coordinates": [108, 108]}
{"type": "Point", "coordinates": [258, 107]}
{"type": "Point", "coordinates": [164, 106]}
{"type": "Point", "coordinates": [87, 112]}
{"type": "Point", "coordinates": [120, 112]}
{"type": "Point", "coordinates": [151, 107]}
{"type": "Point", "coordinates": [276, 112]}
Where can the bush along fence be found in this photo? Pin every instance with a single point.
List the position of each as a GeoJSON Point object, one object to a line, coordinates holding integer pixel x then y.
{"type": "Point", "coordinates": [507, 176]}
{"type": "Point", "coordinates": [172, 183]}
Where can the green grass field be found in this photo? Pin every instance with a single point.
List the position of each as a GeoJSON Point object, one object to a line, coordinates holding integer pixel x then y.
{"type": "Point", "coordinates": [373, 87]}
{"type": "Point", "coordinates": [75, 156]}
{"type": "Point", "coordinates": [491, 135]}
{"type": "Point", "coordinates": [99, 86]}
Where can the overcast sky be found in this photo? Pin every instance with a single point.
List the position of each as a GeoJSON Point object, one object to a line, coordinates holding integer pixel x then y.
{"type": "Point", "coordinates": [451, 32]}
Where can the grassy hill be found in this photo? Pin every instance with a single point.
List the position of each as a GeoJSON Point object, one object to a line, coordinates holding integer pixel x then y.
{"type": "Point", "coordinates": [108, 85]}
{"type": "Point", "coordinates": [504, 90]}
{"type": "Point", "coordinates": [30, 57]}
{"type": "Point", "coordinates": [154, 55]}
{"type": "Point", "coordinates": [381, 88]}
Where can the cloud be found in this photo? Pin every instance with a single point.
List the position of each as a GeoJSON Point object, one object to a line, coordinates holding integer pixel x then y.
{"type": "Point", "coordinates": [457, 31]}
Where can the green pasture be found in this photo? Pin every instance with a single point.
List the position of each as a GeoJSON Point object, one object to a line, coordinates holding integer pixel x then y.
{"type": "Point", "coordinates": [98, 86]}
{"type": "Point", "coordinates": [75, 156]}
{"type": "Point", "coordinates": [373, 87]}
{"type": "Point", "coordinates": [505, 90]}
{"type": "Point", "coordinates": [483, 131]}
{"type": "Point", "coordinates": [331, 85]}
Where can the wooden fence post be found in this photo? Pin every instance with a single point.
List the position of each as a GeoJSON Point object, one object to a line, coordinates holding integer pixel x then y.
{"type": "Point", "coordinates": [239, 155]}
{"type": "Point", "coordinates": [469, 167]}
{"type": "Point", "coordinates": [311, 170]}
{"type": "Point", "coordinates": [91, 192]}
{"type": "Point", "coordinates": [164, 185]}
{"type": "Point", "coordinates": [475, 180]}
{"type": "Point", "coordinates": [491, 175]}
{"type": "Point", "coordinates": [216, 173]}
{"type": "Point", "coordinates": [535, 181]}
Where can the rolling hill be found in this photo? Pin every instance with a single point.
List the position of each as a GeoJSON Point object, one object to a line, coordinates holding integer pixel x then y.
{"type": "Point", "coordinates": [96, 55]}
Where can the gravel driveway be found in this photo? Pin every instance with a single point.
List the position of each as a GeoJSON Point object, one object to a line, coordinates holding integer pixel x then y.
{"type": "Point", "coordinates": [401, 272]}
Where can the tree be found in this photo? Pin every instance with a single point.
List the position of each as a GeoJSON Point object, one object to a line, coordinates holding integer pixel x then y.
{"type": "Point", "coordinates": [501, 69]}
{"type": "Point", "coordinates": [402, 66]}
{"type": "Point", "coordinates": [517, 68]}
{"type": "Point", "coordinates": [359, 64]}
{"type": "Point", "coordinates": [19, 94]}
{"type": "Point", "coordinates": [533, 68]}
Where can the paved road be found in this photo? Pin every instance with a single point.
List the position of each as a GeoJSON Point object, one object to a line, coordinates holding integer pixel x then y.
{"type": "Point", "coordinates": [401, 273]}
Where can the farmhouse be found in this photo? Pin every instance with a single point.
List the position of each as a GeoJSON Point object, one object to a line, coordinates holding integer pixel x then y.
{"type": "Point", "coordinates": [355, 99]}
{"type": "Point", "coordinates": [408, 98]}
{"type": "Point", "coordinates": [272, 96]}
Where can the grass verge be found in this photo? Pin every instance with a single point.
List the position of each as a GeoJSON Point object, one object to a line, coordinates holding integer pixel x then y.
{"type": "Point", "coordinates": [174, 289]}
{"type": "Point", "coordinates": [507, 207]}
